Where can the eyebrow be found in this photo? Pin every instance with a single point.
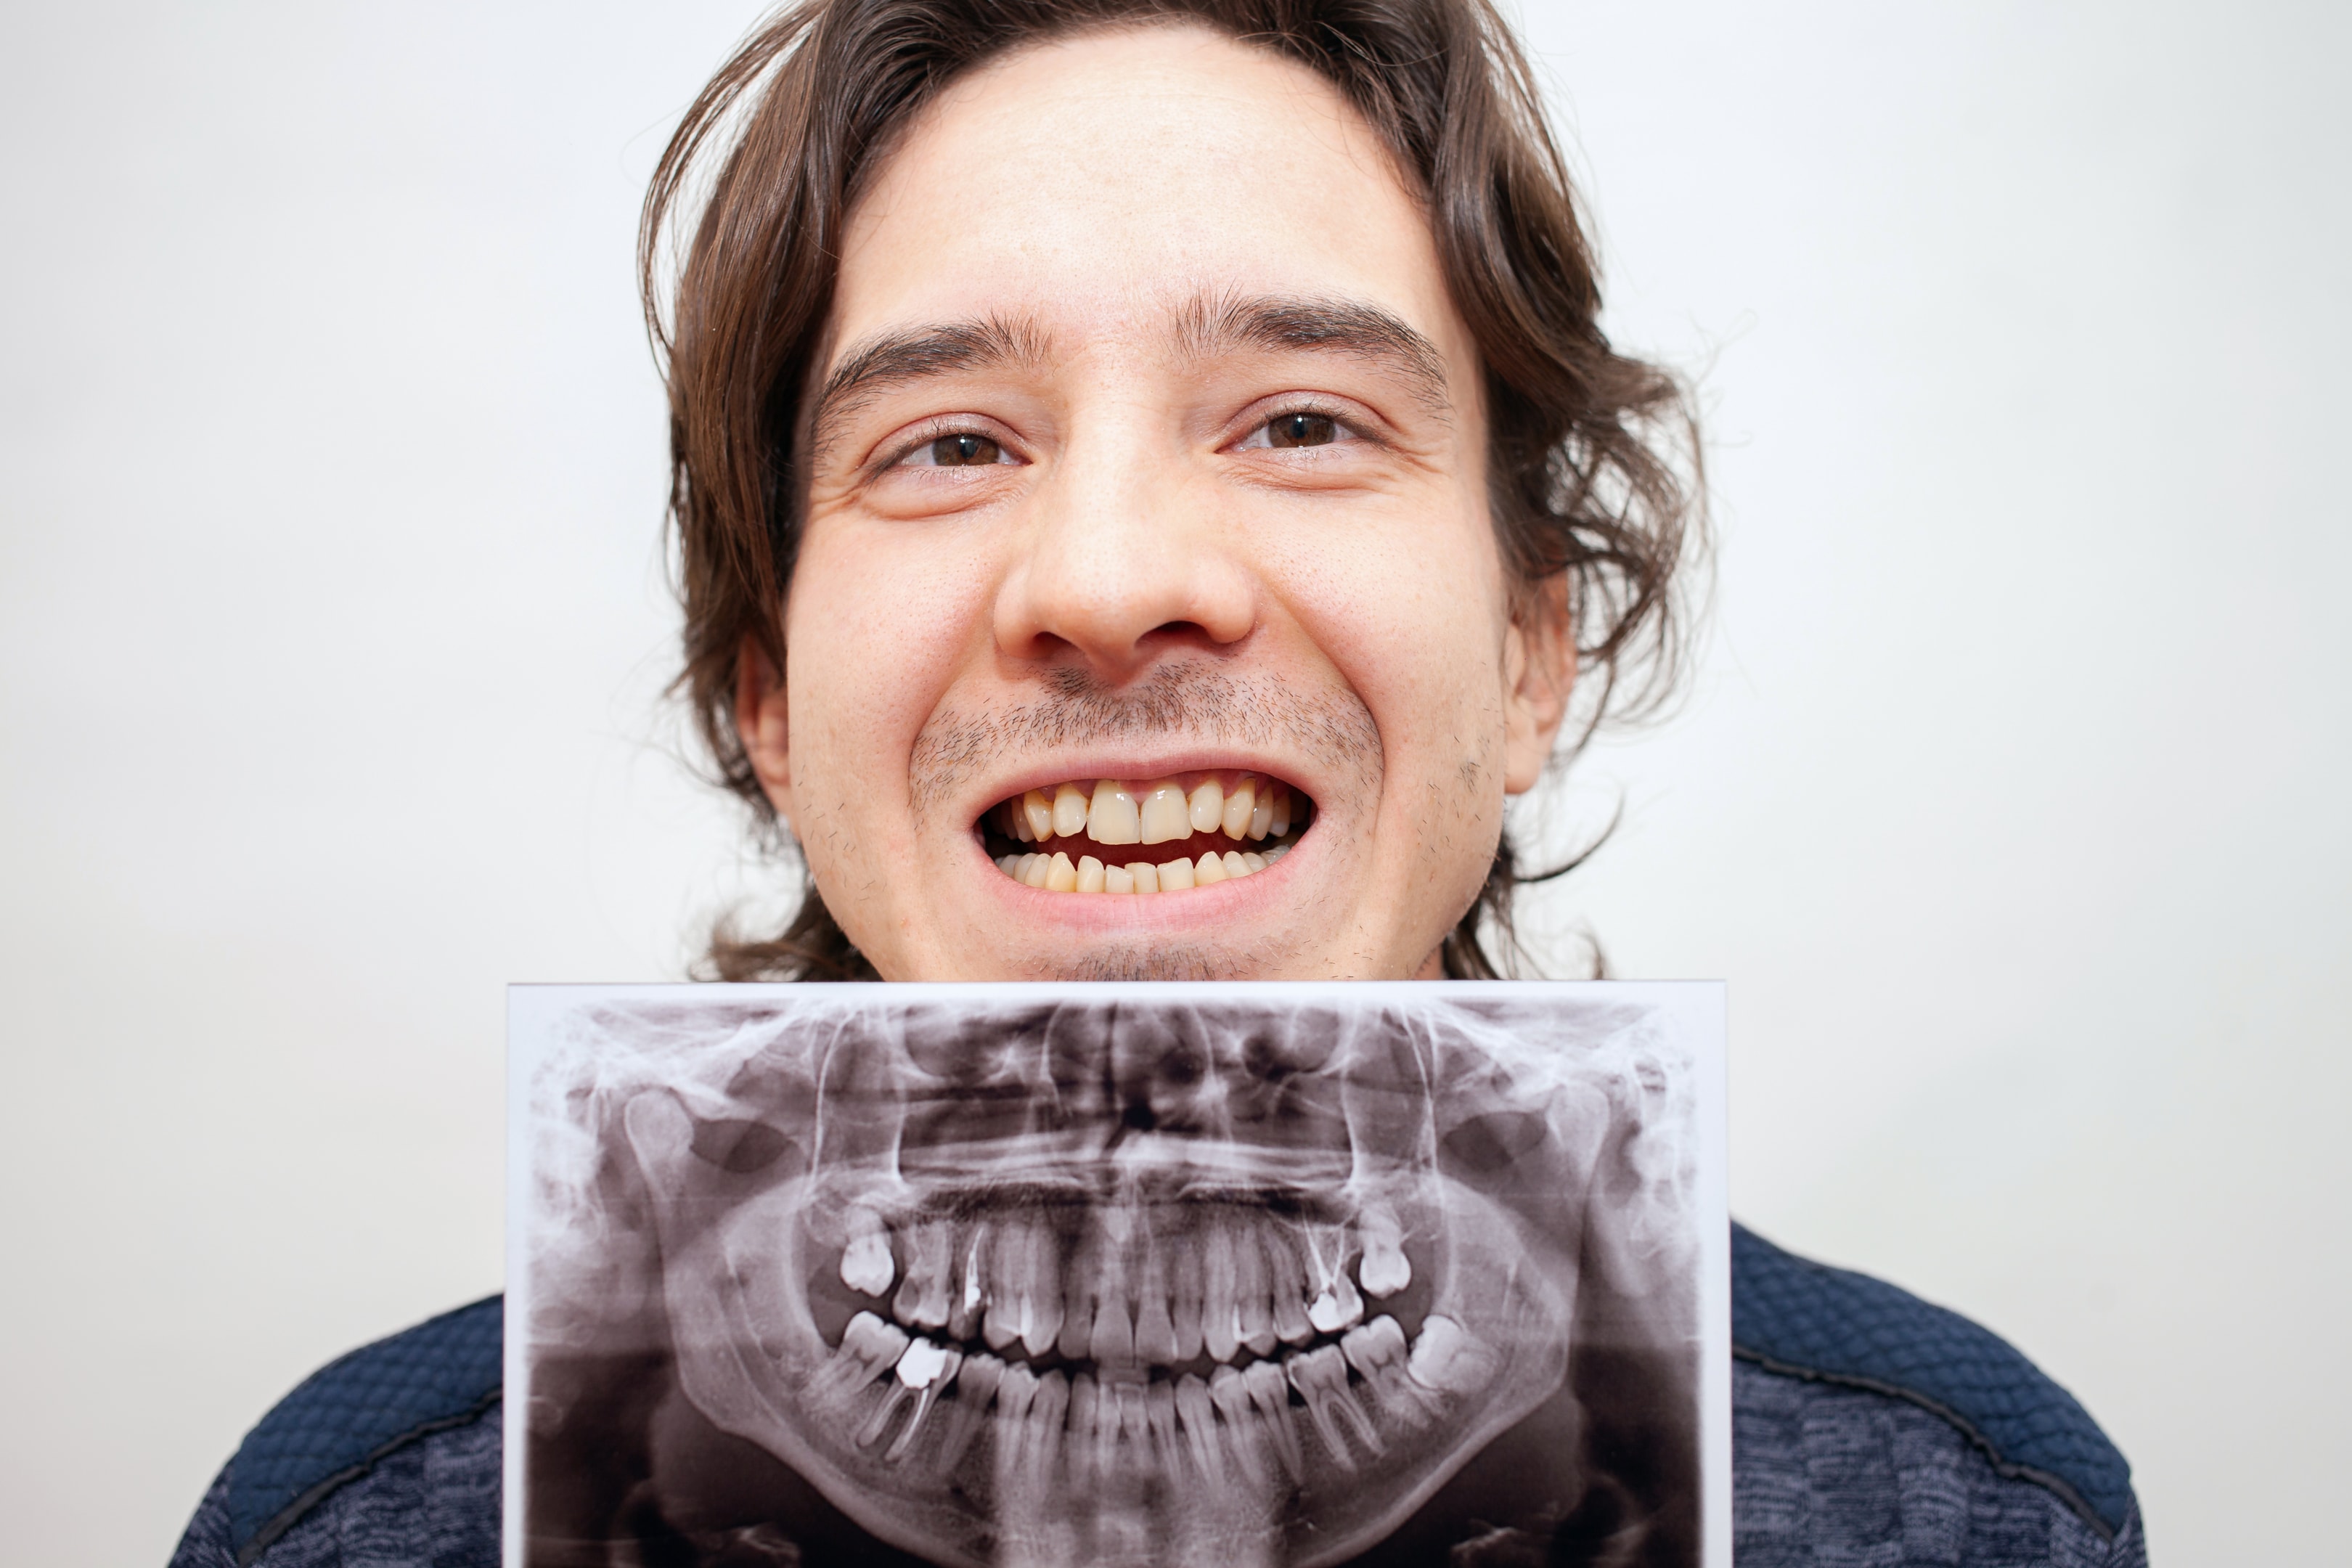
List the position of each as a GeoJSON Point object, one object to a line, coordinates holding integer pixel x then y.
{"type": "Point", "coordinates": [1206, 327]}
{"type": "Point", "coordinates": [891, 359]}
{"type": "Point", "coordinates": [1274, 324]}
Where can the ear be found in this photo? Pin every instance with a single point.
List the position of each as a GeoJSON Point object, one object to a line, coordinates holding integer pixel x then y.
{"type": "Point", "coordinates": [762, 723]}
{"type": "Point", "coordinates": [1539, 671]}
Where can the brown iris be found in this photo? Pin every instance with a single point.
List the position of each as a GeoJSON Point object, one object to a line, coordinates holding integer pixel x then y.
{"type": "Point", "coordinates": [1302, 430]}
{"type": "Point", "coordinates": [964, 451]}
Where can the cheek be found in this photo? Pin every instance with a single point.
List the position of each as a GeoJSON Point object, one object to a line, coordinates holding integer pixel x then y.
{"type": "Point", "coordinates": [876, 625]}
{"type": "Point", "coordinates": [1412, 615]}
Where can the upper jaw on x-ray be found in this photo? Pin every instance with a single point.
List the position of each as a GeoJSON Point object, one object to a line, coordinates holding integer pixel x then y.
{"type": "Point", "coordinates": [1085, 1282]}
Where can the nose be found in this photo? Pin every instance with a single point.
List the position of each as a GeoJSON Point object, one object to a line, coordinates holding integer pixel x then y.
{"type": "Point", "coordinates": [1128, 556]}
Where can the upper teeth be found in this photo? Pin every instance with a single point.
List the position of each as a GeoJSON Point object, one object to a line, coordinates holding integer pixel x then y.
{"type": "Point", "coordinates": [1113, 812]}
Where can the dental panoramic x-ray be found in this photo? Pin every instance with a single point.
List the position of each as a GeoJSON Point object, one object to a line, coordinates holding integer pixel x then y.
{"type": "Point", "coordinates": [1063, 1275]}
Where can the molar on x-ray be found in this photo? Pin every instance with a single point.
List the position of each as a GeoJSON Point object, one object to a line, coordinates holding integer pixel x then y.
{"type": "Point", "coordinates": [1032, 1276]}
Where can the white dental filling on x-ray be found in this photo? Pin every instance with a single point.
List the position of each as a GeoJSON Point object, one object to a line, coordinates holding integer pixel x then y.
{"type": "Point", "coordinates": [1167, 1286]}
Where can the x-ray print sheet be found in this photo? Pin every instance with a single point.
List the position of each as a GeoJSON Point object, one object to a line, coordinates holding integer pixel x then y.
{"type": "Point", "coordinates": [1248, 1276]}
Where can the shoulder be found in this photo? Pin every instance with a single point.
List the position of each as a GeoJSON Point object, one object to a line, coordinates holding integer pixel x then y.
{"type": "Point", "coordinates": [414, 1413]}
{"type": "Point", "coordinates": [1837, 1369]}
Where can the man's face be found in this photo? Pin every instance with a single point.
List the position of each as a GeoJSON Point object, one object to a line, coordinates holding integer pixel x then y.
{"type": "Point", "coordinates": [1147, 510]}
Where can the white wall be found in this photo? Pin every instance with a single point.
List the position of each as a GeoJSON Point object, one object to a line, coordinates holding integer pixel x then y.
{"type": "Point", "coordinates": [331, 634]}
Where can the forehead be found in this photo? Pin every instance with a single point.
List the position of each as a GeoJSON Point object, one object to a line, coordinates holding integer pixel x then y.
{"type": "Point", "coordinates": [1099, 184]}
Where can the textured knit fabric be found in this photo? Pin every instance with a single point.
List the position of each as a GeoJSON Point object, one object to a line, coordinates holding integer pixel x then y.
{"type": "Point", "coordinates": [1828, 1477]}
{"type": "Point", "coordinates": [443, 1372]}
{"type": "Point", "coordinates": [1791, 1315]}
{"type": "Point", "coordinates": [432, 1503]}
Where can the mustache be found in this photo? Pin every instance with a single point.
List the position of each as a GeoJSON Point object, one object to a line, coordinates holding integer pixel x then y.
{"type": "Point", "coordinates": [1193, 698]}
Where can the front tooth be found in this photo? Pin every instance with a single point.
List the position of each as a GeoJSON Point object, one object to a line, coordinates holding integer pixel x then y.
{"type": "Point", "coordinates": [1200, 1423]}
{"type": "Point", "coordinates": [1061, 876]}
{"type": "Point", "coordinates": [865, 1264]}
{"type": "Point", "coordinates": [1160, 1412]}
{"type": "Point", "coordinates": [1111, 1340]}
{"type": "Point", "coordinates": [1147, 876]}
{"type": "Point", "coordinates": [1037, 814]}
{"type": "Point", "coordinates": [1155, 1328]}
{"type": "Point", "coordinates": [1134, 1430]}
{"type": "Point", "coordinates": [1254, 1307]}
{"type": "Point", "coordinates": [1210, 868]}
{"type": "Point", "coordinates": [1239, 805]}
{"type": "Point", "coordinates": [1091, 875]}
{"type": "Point", "coordinates": [1085, 1417]}
{"type": "Point", "coordinates": [1049, 1414]}
{"type": "Point", "coordinates": [1077, 1307]}
{"type": "Point", "coordinates": [1185, 1315]}
{"type": "Point", "coordinates": [1175, 876]}
{"type": "Point", "coordinates": [922, 1298]}
{"type": "Point", "coordinates": [1447, 1359]}
{"type": "Point", "coordinates": [1321, 1378]}
{"type": "Point", "coordinates": [1206, 809]}
{"type": "Point", "coordinates": [1218, 1317]}
{"type": "Point", "coordinates": [1269, 1392]}
{"type": "Point", "coordinates": [1278, 820]}
{"type": "Point", "coordinates": [1112, 819]}
{"type": "Point", "coordinates": [1385, 1269]}
{"type": "Point", "coordinates": [1165, 814]}
{"type": "Point", "coordinates": [1115, 879]}
{"type": "Point", "coordinates": [1069, 811]}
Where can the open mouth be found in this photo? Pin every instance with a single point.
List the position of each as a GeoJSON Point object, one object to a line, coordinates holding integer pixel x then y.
{"type": "Point", "coordinates": [1160, 836]}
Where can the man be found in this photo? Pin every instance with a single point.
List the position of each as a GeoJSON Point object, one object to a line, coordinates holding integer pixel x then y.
{"type": "Point", "coordinates": [1151, 486]}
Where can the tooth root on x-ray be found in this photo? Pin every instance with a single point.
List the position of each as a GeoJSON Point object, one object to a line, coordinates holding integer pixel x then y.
{"type": "Point", "coordinates": [1269, 1393]}
{"type": "Point", "coordinates": [1378, 1351]}
{"type": "Point", "coordinates": [1239, 1424]}
{"type": "Point", "coordinates": [1200, 1422]}
{"type": "Point", "coordinates": [1275, 1295]}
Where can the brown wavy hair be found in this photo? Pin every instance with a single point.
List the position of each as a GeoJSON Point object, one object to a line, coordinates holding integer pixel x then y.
{"type": "Point", "coordinates": [1594, 457]}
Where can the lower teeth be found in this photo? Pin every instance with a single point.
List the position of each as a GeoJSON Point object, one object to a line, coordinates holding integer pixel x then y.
{"type": "Point", "coordinates": [1057, 873]}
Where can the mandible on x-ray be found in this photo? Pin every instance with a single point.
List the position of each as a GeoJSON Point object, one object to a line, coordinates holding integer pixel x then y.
{"type": "Point", "coordinates": [1105, 1278]}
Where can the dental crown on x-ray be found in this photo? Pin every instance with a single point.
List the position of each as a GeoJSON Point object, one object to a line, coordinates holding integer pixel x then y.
{"type": "Point", "coordinates": [1124, 1284]}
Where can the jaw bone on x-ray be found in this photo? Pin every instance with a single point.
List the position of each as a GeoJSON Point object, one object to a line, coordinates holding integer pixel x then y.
{"type": "Point", "coordinates": [1031, 1276]}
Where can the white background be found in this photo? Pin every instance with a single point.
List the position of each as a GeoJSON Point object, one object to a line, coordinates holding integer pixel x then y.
{"type": "Point", "coordinates": [2008, 796]}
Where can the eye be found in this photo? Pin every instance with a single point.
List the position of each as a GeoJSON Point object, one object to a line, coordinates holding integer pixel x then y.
{"type": "Point", "coordinates": [1298, 427]}
{"type": "Point", "coordinates": [962, 449]}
